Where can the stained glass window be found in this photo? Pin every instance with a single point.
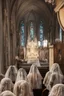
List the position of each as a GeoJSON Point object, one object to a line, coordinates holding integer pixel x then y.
{"type": "Point", "coordinates": [31, 30]}
{"type": "Point", "coordinates": [22, 32]}
{"type": "Point", "coordinates": [41, 33]}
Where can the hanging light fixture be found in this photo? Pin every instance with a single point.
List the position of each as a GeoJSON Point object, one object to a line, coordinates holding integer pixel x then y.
{"type": "Point", "coordinates": [50, 1]}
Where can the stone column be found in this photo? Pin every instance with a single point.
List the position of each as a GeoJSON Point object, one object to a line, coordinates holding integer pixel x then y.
{"type": "Point", "coordinates": [51, 55]}
{"type": "Point", "coordinates": [8, 30]}
{"type": "Point", "coordinates": [1, 40]}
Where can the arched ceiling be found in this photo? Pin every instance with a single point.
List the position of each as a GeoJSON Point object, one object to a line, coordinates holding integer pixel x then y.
{"type": "Point", "coordinates": [22, 7]}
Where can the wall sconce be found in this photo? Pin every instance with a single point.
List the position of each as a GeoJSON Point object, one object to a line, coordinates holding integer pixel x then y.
{"type": "Point", "coordinates": [59, 9]}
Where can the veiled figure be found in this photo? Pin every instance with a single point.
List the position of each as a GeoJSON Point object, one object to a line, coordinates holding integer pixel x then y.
{"type": "Point", "coordinates": [7, 93]}
{"type": "Point", "coordinates": [56, 68]}
{"type": "Point", "coordinates": [6, 84]}
{"type": "Point", "coordinates": [57, 90]}
{"type": "Point", "coordinates": [21, 75]}
{"type": "Point", "coordinates": [54, 76]}
{"type": "Point", "coordinates": [22, 88]}
{"type": "Point", "coordinates": [11, 73]}
{"type": "Point", "coordinates": [34, 77]}
{"type": "Point", "coordinates": [1, 76]}
{"type": "Point", "coordinates": [46, 79]}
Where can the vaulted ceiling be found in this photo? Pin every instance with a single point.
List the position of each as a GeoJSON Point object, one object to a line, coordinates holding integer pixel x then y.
{"type": "Point", "coordinates": [20, 8]}
{"type": "Point", "coordinates": [23, 7]}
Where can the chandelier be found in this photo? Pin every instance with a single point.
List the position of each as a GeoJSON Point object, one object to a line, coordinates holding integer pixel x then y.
{"type": "Point", "coordinates": [50, 1]}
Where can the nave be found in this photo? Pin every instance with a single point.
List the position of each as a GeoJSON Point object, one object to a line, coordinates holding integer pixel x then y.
{"type": "Point", "coordinates": [20, 83]}
{"type": "Point", "coordinates": [32, 47]}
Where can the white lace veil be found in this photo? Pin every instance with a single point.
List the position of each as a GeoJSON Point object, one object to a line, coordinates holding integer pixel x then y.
{"type": "Point", "coordinates": [34, 77]}
{"type": "Point", "coordinates": [7, 93]}
{"type": "Point", "coordinates": [11, 73]}
{"type": "Point", "coordinates": [47, 79]}
{"type": "Point", "coordinates": [56, 68]}
{"type": "Point", "coordinates": [21, 75]}
{"type": "Point", "coordinates": [57, 90]}
{"type": "Point", "coordinates": [54, 76]}
{"type": "Point", "coordinates": [22, 88]}
{"type": "Point", "coordinates": [6, 84]}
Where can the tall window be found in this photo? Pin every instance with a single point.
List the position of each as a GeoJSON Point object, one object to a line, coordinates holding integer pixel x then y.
{"type": "Point", "coordinates": [41, 33]}
{"type": "Point", "coordinates": [22, 32]}
{"type": "Point", "coordinates": [31, 31]}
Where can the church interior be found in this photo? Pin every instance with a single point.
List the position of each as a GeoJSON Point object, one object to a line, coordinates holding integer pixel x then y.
{"type": "Point", "coordinates": [31, 47]}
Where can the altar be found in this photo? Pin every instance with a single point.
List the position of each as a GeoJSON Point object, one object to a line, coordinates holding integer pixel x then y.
{"type": "Point", "coordinates": [32, 54]}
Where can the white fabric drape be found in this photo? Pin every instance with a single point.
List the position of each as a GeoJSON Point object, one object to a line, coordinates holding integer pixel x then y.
{"type": "Point", "coordinates": [22, 88]}
{"type": "Point", "coordinates": [11, 73]}
{"type": "Point", "coordinates": [54, 76]}
{"type": "Point", "coordinates": [47, 80]}
{"type": "Point", "coordinates": [7, 93]}
{"type": "Point", "coordinates": [34, 77]}
{"type": "Point", "coordinates": [6, 84]}
{"type": "Point", "coordinates": [56, 68]}
{"type": "Point", "coordinates": [21, 75]}
{"type": "Point", "coordinates": [57, 90]}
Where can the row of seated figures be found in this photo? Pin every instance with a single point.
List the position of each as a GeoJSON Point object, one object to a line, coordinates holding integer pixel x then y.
{"type": "Point", "coordinates": [19, 83]}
